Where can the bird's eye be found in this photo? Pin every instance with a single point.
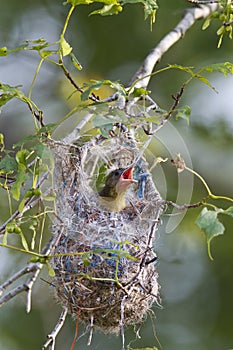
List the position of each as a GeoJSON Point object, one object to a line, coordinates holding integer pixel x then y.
{"type": "Point", "coordinates": [117, 173]}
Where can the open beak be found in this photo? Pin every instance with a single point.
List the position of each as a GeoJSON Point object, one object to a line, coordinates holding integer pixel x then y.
{"type": "Point", "coordinates": [127, 175]}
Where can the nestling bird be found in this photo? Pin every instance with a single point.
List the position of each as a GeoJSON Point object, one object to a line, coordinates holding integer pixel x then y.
{"type": "Point", "coordinates": [112, 196]}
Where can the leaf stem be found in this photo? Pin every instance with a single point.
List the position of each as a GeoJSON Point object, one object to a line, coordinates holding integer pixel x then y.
{"type": "Point", "coordinates": [67, 20]}
{"type": "Point", "coordinates": [210, 194]}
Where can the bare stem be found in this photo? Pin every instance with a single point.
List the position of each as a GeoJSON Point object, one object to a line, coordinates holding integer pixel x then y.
{"type": "Point", "coordinates": [52, 336]}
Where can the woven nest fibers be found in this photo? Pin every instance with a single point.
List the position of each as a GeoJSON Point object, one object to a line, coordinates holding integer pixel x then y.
{"type": "Point", "coordinates": [104, 262]}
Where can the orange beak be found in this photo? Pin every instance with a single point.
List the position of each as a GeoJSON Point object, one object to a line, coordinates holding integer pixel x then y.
{"type": "Point", "coordinates": [128, 174]}
{"type": "Point", "coordinates": [125, 180]}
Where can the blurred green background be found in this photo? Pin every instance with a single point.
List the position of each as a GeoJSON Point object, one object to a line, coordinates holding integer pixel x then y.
{"type": "Point", "coordinates": [197, 294]}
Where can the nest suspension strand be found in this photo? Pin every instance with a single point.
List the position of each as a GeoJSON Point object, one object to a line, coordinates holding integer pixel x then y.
{"type": "Point", "coordinates": [104, 263]}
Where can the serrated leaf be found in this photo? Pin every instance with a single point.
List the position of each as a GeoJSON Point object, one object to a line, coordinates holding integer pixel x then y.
{"type": "Point", "coordinates": [208, 222]}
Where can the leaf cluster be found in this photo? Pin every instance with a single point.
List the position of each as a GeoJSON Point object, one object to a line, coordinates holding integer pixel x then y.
{"type": "Point", "coordinates": [225, 16]}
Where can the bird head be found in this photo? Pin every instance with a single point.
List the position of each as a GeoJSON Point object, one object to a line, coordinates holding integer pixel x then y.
{"type": "Point", "coordinates": [116, 185]}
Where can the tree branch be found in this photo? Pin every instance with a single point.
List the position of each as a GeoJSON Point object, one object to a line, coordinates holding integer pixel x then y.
{"type": "Point", "coordinates": [191, 15]}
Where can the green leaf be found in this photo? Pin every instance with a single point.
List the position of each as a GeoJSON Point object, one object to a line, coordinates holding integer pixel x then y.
{"type": "Point", "coordinates": [12, 227]}
{"type": "Point", "coordinates": [138, 92]}
{"type": "Point", "coordinates": [184, 113]}
{"type": "Point", "coordinates": [208, 222]}
{"type": "Point", "coordinates": [228, 211]}
{"type": "Point", "coordinates": [100, 121]}
{"type": "Point", "coordinates": [150, 6]}
{"type": "Point", "coordinates": [205, 81]}
{"type": "Point", "coordinates": [21, 157]}
{"type": "Point", "coordinates": [9, 164]}
{"type": "Point", "coordinates": [224, 68]}
{"type": "Point", "coordinates": [97, 84]}
{"type": "Point", "coordinates": [50, 269]}
{"type": "Point", "coordinates": [86, 259]}
{"type": "Point", "coordinates": [25, 140]}
{"type": "Point", "coordinates": [79, 2]}
{"type": "Point", "coordinates": [108, 10]}
{"type": "Point", "coordinates": [49, 198]}
{"type": "Point", "coordinates": [206, 23]}
{"type": "Point", "coordinates": [4, 239]}
{"type": "Point", "coordinates": [46, 53]}
{"type": "Point", "coordinates": [29, 193]}
{"type": "Point", "coordinates": [37, 44]}
{"type": "Point", "coordinates": [8, 92]}
{"type": "Point", "coordinates": [221, 30]}
{"type": "Point", "coordinates": [120, 114]}
{"type": "Point", "coordinates": [75, 62]}
{"type": "Point", "coordinates": [23, 241]}
{"type": "Point", "coordinates": [65, 46]}
{"type": "Point", "coordinates": [21, 177]}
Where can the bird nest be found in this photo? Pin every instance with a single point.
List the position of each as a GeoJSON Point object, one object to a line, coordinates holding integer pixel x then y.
{"type": "Point", "coordinates": [104, 262]}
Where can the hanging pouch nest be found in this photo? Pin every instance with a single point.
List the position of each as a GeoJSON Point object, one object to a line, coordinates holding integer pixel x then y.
{"type": "Point", "coordinates": [104, 263]}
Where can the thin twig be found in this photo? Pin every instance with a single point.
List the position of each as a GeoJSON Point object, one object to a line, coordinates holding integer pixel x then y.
{"type": "Point", "coordinates": [25, 287]}
{"type": "Point", "coordinates": [34, 269]}
{"type": "Point", "coordinates": [15, 277]}
{"type": "Point", "coordinates": [197, 2]}
{"type": "Point", "coordinates": [122, 322]}
{"type": "Point", "coordinates": [52, 336]}
{"type": "Point", "coordinates": [91, 330]}
{"type": "Point", "coordinates": [75, 134]}
{"type": "Point", "coordinates": [77, 87]}
{"type": "Point", "coordinates": [184, 206]}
